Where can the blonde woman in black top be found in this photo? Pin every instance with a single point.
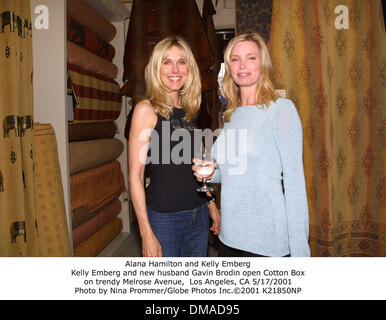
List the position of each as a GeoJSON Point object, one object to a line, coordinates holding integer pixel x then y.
{"type": "Point", "coordinates": [173, 217]}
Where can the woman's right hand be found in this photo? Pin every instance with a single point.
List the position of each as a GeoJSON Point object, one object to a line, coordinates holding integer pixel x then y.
{"type": "Point", "coordinates": [198, 176]}
{"type": "Point", "coordinates": [151, 247]}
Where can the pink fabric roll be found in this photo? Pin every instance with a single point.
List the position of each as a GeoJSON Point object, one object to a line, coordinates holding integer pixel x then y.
{"type": "Point", "coordinates": [89, 61]}
{"type": "Point", "coordinates": [87, 16]}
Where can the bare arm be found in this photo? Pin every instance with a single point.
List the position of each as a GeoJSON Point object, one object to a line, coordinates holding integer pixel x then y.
{"type": "Point", "coordinates": [143, 122]}
{"type": "Point", "coordinates": [214, 214]}
{"type": "Point", "coordinates": [216, 218]}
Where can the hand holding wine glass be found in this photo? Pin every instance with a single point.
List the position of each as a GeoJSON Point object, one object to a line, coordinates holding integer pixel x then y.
{"type": "Point", "coordinates": [204, 168]}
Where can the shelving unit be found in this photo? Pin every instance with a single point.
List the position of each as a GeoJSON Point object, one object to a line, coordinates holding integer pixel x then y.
{"type": "Point", "coordinates": [50, 86]}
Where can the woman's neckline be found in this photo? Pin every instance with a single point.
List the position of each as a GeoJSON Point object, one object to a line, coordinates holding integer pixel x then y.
{"type": "Point", "coordinates": [258, 106]}
{"type": "Point", "coordinates": [174, 107]}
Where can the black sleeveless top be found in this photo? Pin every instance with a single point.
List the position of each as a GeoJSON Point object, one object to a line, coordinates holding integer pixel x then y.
{"type": "Point", "coordinates": [171, 150]}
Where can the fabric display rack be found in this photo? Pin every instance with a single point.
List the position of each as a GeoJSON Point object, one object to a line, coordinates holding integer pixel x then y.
{"type": "Point", "coordinates": [96, 177]}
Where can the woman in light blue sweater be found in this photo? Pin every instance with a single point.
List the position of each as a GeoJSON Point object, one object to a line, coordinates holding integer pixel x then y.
{"type": "Point", "coordinates": [259, 147]}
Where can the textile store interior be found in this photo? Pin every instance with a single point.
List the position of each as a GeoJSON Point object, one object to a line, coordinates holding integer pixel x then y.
{"type": "Point", "coordinates": [83, 61]}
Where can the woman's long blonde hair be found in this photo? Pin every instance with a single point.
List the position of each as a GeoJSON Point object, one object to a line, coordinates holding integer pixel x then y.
{"type": "Point", "coordinates": [156, 92]}
{"type": "Point", "coordinates": [265, 92]}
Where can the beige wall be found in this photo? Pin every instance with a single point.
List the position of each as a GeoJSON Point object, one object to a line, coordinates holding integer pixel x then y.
{"type": "Point", "coordinates": [225, 16]}
{"type": "Point", "coordinates": [50, 75]}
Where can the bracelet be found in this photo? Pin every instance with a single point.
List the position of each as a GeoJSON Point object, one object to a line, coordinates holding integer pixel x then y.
{"type": "Point", "coordinates": [211, 199]}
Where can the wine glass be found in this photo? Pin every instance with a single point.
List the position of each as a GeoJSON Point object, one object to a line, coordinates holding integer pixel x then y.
{"type": "Point", "coordinates": [205, 166]}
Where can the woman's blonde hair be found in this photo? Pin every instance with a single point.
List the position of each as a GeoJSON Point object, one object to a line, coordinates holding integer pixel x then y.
{"type": "Point", "coordinates": [265, 92]}
{"type": "Point", "coordinates": [156, 92]}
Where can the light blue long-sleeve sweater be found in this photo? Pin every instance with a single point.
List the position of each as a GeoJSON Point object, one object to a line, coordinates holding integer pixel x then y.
{"type": "Point", "coordinates": [255, 151]}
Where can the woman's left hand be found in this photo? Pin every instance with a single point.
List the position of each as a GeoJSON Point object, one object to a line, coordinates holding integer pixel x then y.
{"type": "Point", "coordinates": [216, 218]}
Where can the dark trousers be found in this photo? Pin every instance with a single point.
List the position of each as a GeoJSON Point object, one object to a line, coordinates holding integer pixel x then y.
{"type": "Point", "coordinates": [225, 251]}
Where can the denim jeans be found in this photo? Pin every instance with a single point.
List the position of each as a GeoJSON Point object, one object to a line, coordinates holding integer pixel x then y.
{"type": "Point", "coordinates": [182, 233]}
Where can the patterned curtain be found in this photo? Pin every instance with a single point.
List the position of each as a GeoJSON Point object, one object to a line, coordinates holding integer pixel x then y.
{"type": "Point", "coordinates": [254, 16]}
{"type": "Point", "coordinates": [18, 221]}
{"type": "Point", "coordinates": [32, 211]}
{"type": "Point", "coordinates": [337, 79]}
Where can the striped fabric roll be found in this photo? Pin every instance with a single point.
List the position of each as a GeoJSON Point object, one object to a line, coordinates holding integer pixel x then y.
{"type": "Point", "coordinates": [87, 16]}
{"type": "Point", "coordinates": [89, 61]}
{"type": "Point", "coordinates": [98, 98]}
